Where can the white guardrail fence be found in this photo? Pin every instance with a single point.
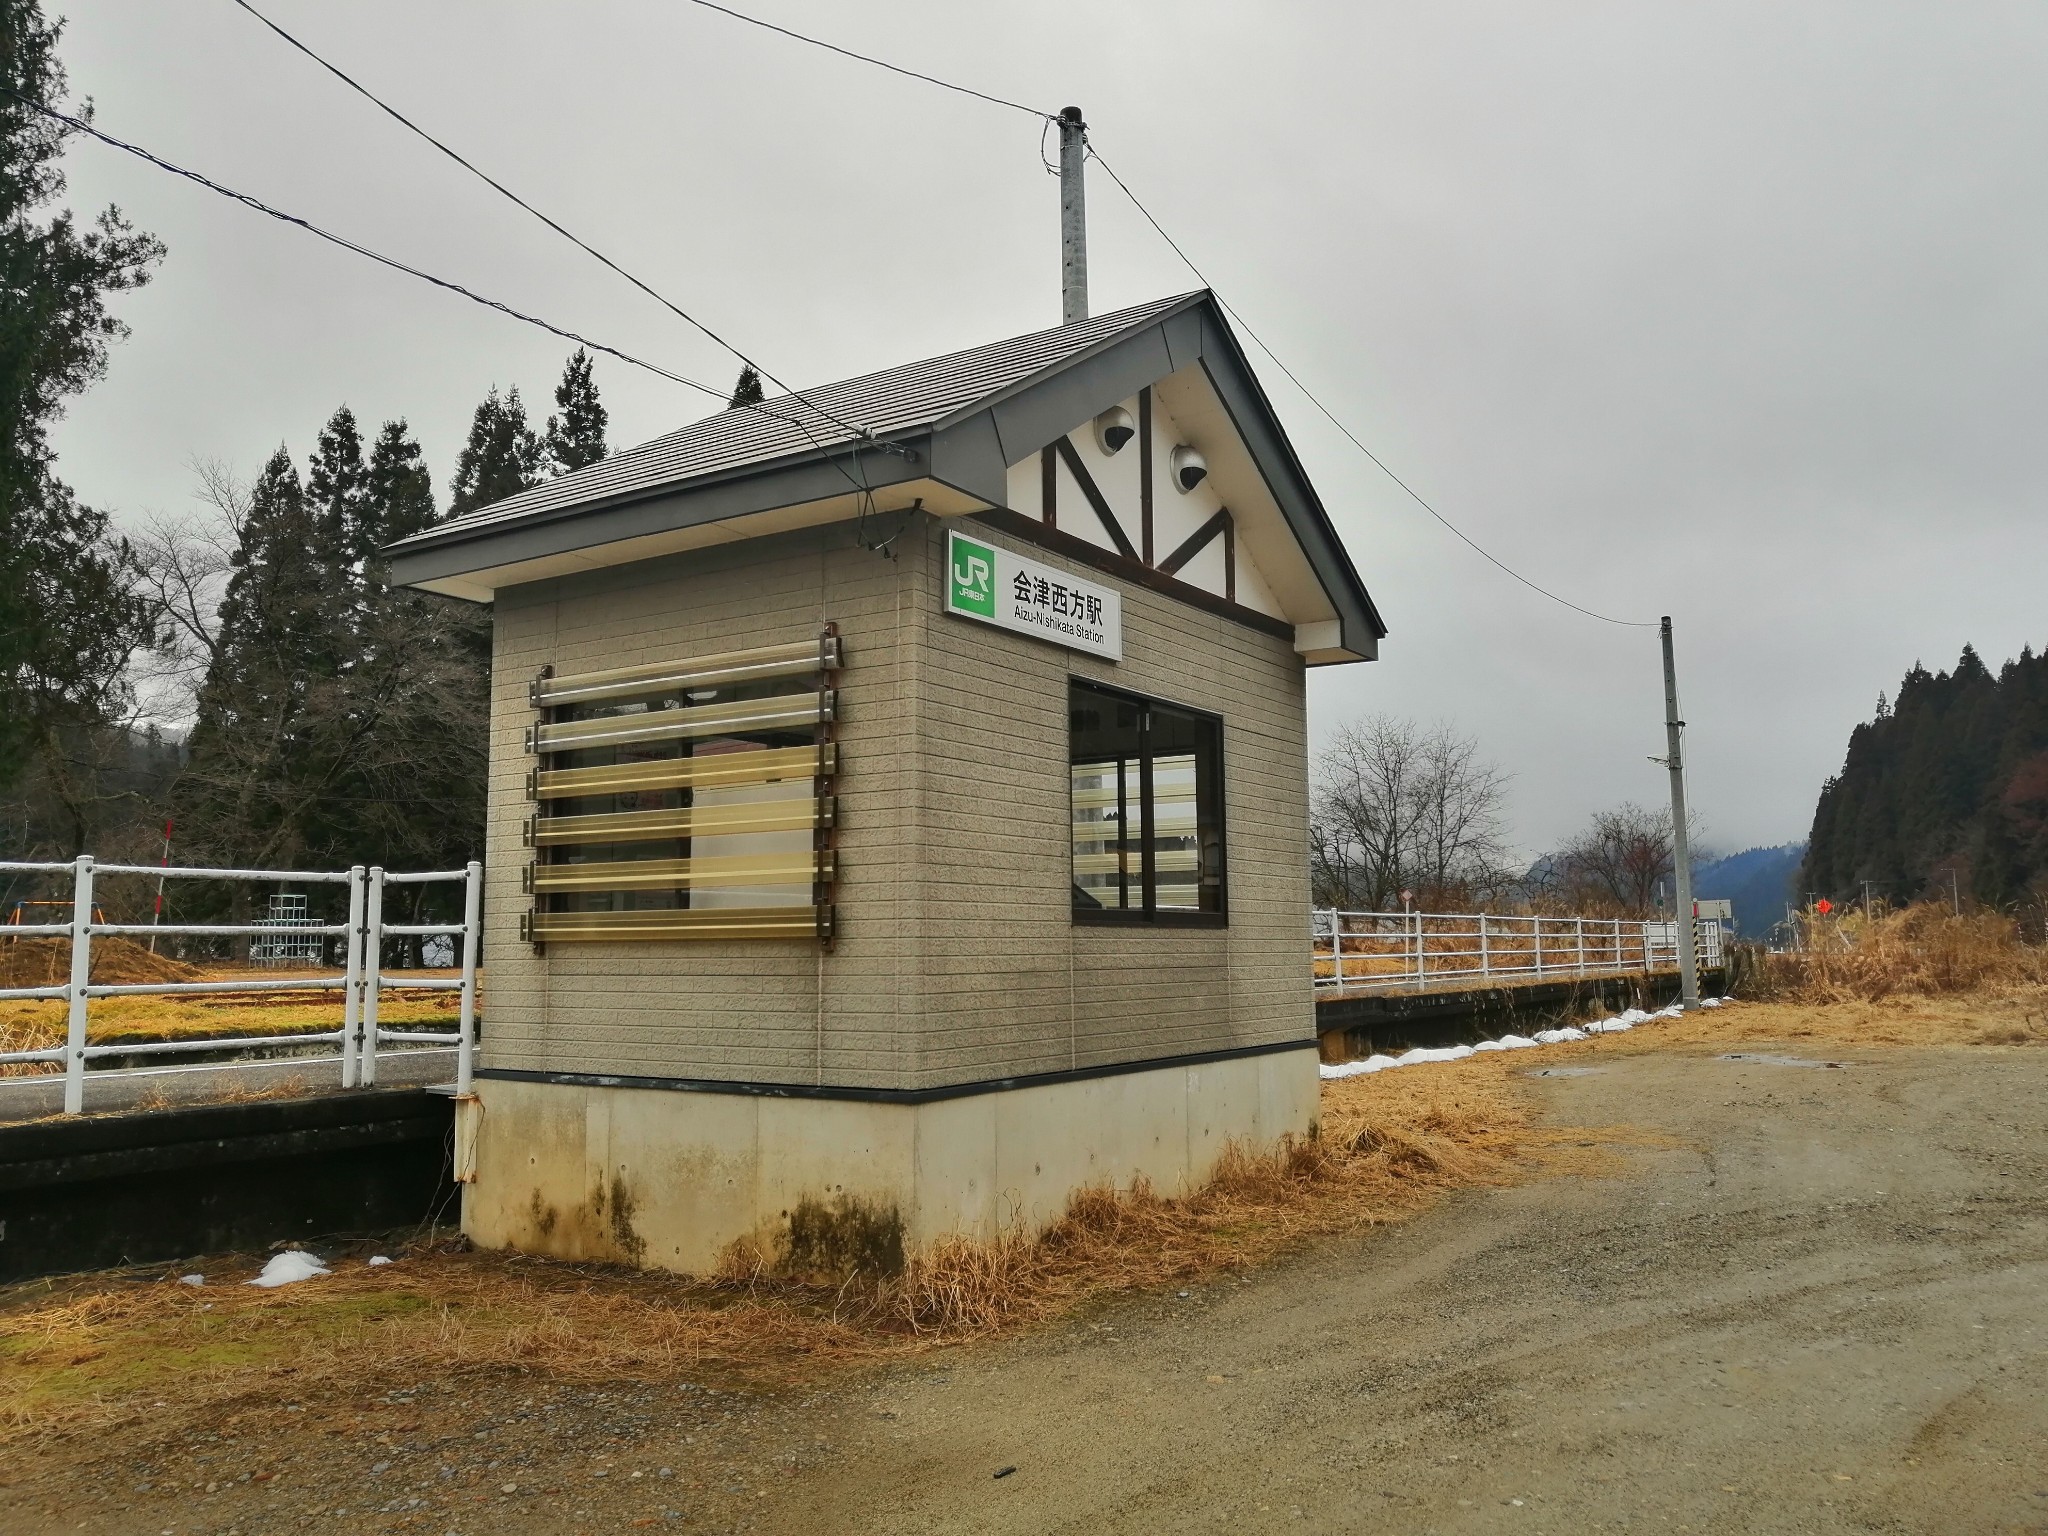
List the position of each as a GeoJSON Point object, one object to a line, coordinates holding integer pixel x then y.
{"type": "Point", "coordinates": [1410, 949]}
{"type": "Point", "coordinates": [361, 983]}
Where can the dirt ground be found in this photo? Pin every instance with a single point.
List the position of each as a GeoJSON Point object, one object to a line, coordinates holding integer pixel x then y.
{"type": "Point", "coordinates": [1822, 1306]}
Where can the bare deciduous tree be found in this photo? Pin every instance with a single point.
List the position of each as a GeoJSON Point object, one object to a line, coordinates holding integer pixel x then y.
{"type": "Point", "coordinates": [1398, 807]}
{"type": "Point", "coordinates": [1618, 864]}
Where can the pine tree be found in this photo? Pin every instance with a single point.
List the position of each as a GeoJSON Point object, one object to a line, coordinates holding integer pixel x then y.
{"type": "Point", "coordinates": [1952, 775]}
{"type": "Point", "coordinates": [575, 437]}
{"type": "Point", "coordinates": [501, 458]}
{"type": "Point", "coordinates": [337, 493]}
{"type": "Point", "coordinates": [67, 624]}
{"type": "Point", "coordinates": [250, 791]}
{"type": "Point", "coordinates": [399, 491]}
{"type": "Point", "coordinates": [748, 390]}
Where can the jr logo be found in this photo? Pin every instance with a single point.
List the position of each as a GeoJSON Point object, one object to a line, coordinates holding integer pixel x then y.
{"type": "Point", "coordinates": [974, 578]}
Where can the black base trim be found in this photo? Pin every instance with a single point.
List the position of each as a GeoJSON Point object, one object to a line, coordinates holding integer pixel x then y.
{"type": "Point", "coordinates": [890, 1095]}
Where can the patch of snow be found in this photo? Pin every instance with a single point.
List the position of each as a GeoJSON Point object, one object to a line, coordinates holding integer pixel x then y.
{"type": "Point", "coordinates": [376, 1259]}
{"type": "Point", "coordinates": [289, 1267]}
{"type": "Point", "coordinates": [191, 1279]}
{"type": "Point", "coordinates": [1360, 1068]}
{"type": "Point", "coordinates": [1625, 1020]}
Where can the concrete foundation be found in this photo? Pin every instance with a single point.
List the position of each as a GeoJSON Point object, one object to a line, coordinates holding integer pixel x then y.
{"type": "Point", "coordinates": [670, 1177]}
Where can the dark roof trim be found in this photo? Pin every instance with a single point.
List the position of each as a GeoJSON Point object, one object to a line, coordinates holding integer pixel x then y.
{"type": "Point", "coordinates": [1037, 391]}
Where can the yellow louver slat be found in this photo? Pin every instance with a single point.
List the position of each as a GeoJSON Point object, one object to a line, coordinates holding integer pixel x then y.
{"type": "Point", "coordinates": [694, 821]}
{"type": "Point", "coordinates": [727, 770]}
{"type": "Point", "coordinates": [760, 663]}
{"type": "Point", "coordinates": [684, 874]}
{"type": "Point", "coordinates": [704, 923]}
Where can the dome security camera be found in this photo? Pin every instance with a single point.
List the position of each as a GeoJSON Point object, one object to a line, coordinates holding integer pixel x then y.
{"type": "Point", "coordinates": [1190, 469]}
{"type": "Point", "coordinates": [1114, 428]}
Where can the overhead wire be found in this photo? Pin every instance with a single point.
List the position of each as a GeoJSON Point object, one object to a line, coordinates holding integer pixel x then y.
{"type": "Point", "coordinates": [868, 58]}
{"type": "Point", "coordinates": [1189, 263]}
{"type": "Point", "coordinates": [247, 200]}
{"type": "Point", "coordinates": [504, 191]}
{"type": "Point", "coordinates": [1331, 416]}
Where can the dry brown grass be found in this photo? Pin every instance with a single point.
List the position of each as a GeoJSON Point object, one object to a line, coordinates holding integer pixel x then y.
{"type": "Point", "coordinates": [104, 1350]}
{"type": "Point", "coordinates": [1921, 951]}
{"type": "Point", "coordinates": [27, 1026]}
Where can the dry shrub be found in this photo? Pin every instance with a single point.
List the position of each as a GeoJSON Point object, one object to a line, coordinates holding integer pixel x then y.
{"type": "Point", "coordinates": [1922, 951]}
{"type": "Point", "coordinates": [115, 961]}
{"type": "Point", "coordinates": [109, 1347]}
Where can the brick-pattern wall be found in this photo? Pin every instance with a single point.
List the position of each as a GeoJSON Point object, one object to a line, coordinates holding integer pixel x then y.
{"type": "Point", "coordinates": [1011, 984]}
{"type": "Point", "coordinates": [957, 958]}
{"type": "Point", "coordinates": [746, 1010]}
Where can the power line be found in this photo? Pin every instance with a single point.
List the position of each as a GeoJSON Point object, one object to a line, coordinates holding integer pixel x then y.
{"type": "Point", "coordinates": [866, 58]}
{"type": "Point", "coordinates": [246, 200]}
{"type": "Point", "coordinates": [497, 186]}
{"type": "Point", "coordinates": [1331, 416]}
{"type": "Point", "coordinates": [1189, 263]}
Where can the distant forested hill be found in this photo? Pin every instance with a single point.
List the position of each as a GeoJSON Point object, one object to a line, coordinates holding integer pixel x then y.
{"type": "Point", "coordinates": [1758, 880]}
{"type": "Point", "coordinates": [1952, 775]}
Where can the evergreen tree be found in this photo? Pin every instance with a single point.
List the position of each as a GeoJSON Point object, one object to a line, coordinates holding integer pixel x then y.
{"type": "Point", "coordinates": [400, 492]}
{"type": "Point", "coordinates": [748, 390]}
{"type": "Point", "coordinates": [575, 437]}
{"type": "Point", "coordinates": [337, 492]}
{"type": "Point", "coordinates": [501, 458]}
{"type": "Point", "coordinates": [67, 624]}
{"type": "Point", "coordinates": [1952, 775]}
{"type": "Point", "coordinates": [250, 791]}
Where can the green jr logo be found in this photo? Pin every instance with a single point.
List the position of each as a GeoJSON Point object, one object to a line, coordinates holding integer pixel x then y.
{"type": "Point", "coordinates": [973, 577]}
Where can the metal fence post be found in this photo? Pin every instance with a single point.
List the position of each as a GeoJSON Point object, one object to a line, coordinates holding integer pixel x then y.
{"type": "Point", "coordinates": [1581, 922]}
{"type": "Point", "coordinates": [472, 911]}
{"type": "Point", "coordinates": [81, 978]}
{"type": "Point", "coordinates": [373, 977]}
{"type": "Point", "coordinates": [1485, 957]}
{"type": "Point", "coordinates": [352, 977]}
{"type": "Point", "coordinates": [1536, 924]}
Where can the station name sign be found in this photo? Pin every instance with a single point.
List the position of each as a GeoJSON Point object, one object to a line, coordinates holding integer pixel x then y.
{"type": "Point", "coordinates": [1010, 592]}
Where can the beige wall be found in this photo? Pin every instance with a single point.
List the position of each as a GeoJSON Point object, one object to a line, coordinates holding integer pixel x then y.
{"type": "Point", "coordinates": [668, 1180]}
{"type": "Point", "coordinates": [957, 959]}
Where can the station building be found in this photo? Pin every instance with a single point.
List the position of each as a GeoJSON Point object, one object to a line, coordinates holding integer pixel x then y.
{"type": "Point", "coordinates": [898, 814]}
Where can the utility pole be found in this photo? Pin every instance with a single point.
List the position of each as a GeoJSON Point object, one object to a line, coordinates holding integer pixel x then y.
{"type": "Point", "coordinates": [1681, 854]}
{"type": "Point", "coordinates": [1073, 217]}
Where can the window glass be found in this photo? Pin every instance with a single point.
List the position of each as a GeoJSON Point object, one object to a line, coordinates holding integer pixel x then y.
{"type": "Point", "coordinates": [1147, 806]}
{"type": "Point", "coordinates": [1108, 818]}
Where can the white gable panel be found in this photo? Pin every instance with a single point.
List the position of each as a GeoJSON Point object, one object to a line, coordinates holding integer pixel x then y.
{"type": "Point", "coordinates": [1259, 535]}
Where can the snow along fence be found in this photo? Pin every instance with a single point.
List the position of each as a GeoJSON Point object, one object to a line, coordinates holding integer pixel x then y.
{"type": "Point", "coordinates": [1414, 949]}
{"type": "Point", "coordinates": [357, 1040]}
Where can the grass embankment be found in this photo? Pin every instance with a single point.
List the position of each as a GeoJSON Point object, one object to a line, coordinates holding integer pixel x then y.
{"type": "Point", "coordinates": [1920, 976]}
{"type": "Point", "coordinates": [37, 1025]}
{"type": "Point", "coordinates": [134, 1347]}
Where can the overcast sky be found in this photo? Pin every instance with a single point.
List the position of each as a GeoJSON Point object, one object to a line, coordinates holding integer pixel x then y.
{"type": "Point", "coordinates": [1730, 311]}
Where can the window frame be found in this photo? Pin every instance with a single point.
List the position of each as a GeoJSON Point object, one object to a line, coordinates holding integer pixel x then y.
{"type": "Point", "coordinates": [1149, 914]}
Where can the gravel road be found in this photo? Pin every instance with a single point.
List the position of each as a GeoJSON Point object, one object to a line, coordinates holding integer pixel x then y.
{"type": "Point", "coordinates": [1828, 1311]}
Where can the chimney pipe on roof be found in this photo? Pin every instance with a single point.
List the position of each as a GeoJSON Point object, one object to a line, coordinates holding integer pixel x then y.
{"type": "Point", "coordinates": [1073, 218]}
